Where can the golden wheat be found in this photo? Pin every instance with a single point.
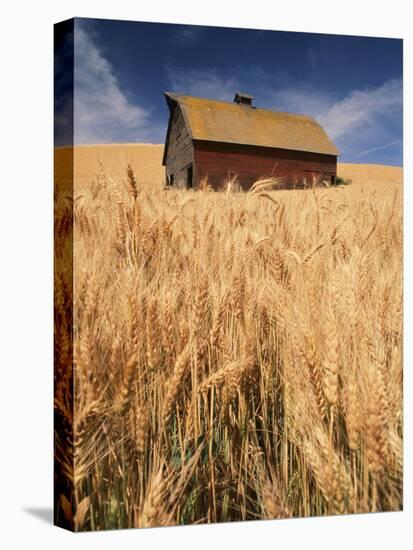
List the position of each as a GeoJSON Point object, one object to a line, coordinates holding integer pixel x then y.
{"type": "Point", "coordinates": [235, 358]}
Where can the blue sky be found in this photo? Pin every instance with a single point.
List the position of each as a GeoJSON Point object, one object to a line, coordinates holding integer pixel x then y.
{"type": "Point", "coordinates": [351, 85]}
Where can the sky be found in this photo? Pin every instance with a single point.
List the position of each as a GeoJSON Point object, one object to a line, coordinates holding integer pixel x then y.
{"type": "Point", "coordinates": [351, 85]}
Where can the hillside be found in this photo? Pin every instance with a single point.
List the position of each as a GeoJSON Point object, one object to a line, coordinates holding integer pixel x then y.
{"type": "Point", "coordinates": [370, 173]}
{"type": "Point", "coordinates": [146, 161]}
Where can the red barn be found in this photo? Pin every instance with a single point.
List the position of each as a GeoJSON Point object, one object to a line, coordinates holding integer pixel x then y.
{"type": "Point", "coordinates": [214, 141]}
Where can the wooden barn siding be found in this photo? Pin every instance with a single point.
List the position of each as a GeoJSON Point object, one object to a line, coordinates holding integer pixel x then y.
{"type": "Point", "coordinates": [180, 149]}
{"type": "Point", "coordinates": [216, 161]}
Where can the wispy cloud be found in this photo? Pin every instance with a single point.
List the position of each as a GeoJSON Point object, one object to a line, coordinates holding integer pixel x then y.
{"type": "Point", "coordinates": [205, 83]}
{"type": "Point", "coordinates": [103, 112]}
{"type": "Point", "coordinates": [374, 149]}
{"type": "Point", "coordinates": [185, 35]}
{"type": "Point", "coordinates": [363, 109]}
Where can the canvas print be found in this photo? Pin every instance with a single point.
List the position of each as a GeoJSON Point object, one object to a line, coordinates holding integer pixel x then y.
{"type": "Point", "coordinates": [228, 275]}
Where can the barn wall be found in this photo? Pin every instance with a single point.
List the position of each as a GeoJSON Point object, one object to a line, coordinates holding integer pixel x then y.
{"type": "Point", "coordinates": [218, 161]}
{"type": "Point", "coordinates": [180, 149]}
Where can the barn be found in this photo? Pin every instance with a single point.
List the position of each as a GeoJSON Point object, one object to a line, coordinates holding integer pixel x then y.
{"type": "Point", "coordinates": [211, 141]}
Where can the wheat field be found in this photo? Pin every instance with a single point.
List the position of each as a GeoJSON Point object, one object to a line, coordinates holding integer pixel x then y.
{"type": "Point", "coordinates": [237, 356]}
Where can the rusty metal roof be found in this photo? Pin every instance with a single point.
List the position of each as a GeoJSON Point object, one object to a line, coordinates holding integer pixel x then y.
{"type": "Point", "coordinates": [219, 121]}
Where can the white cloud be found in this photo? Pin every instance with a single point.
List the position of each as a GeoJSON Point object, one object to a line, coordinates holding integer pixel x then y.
{"type": "Point", "coordinates": [103, 113]}
{"type": "Point", "coordinates": [362, 109]}
{"type": "Point", "coordinates": [203, 83]}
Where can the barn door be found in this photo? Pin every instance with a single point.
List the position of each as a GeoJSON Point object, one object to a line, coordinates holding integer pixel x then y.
{"type": "Point", "coordinates": [189, 177]}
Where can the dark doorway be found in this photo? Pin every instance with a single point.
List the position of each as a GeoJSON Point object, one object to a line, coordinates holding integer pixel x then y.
{"type": "Point", "coordinates": [189, 177]}
{"type": "Point", "coordinates": [333, 180]}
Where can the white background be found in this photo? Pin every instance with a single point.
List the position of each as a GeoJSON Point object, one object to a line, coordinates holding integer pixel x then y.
{"type": "Point", "coordinates": [26, 70]}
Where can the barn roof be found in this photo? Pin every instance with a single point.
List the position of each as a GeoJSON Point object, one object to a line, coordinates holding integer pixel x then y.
{"type": "Point", "coordinates": [219, 121]}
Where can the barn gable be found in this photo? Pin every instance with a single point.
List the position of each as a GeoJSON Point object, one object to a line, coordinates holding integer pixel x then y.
{"type": "Point", "coordinates": [178, 152]}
